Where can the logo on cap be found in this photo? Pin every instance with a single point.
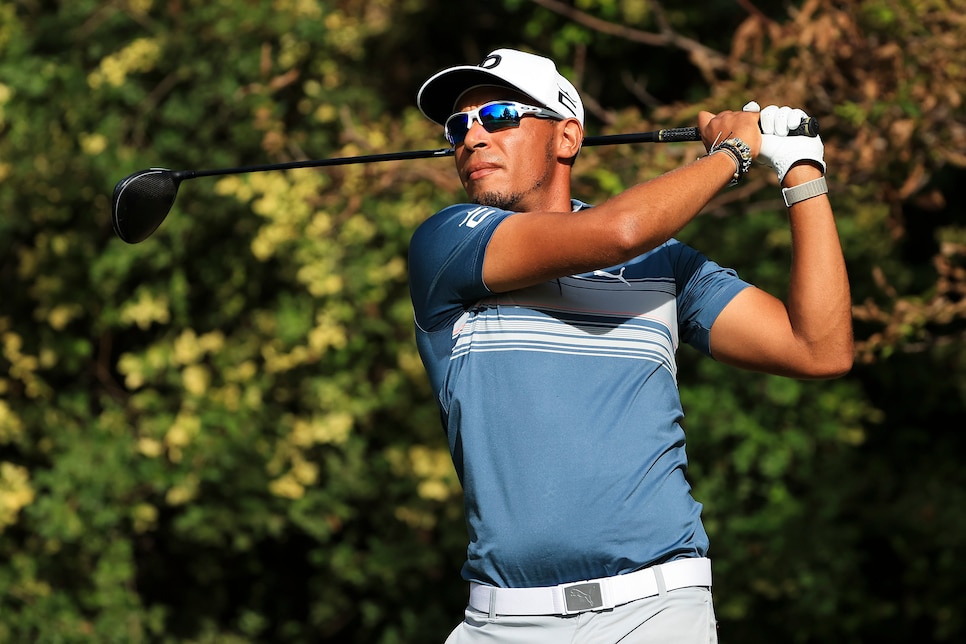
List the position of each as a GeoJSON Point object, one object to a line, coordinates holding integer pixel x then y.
{"type": "Point", "coordinates": [491, 61]}
{"type": "Point", "coordinates": [568, 102]}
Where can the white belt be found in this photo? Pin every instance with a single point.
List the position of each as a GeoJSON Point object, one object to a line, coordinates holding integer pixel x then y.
{"type": "Point", "coordinates": [593, 594]}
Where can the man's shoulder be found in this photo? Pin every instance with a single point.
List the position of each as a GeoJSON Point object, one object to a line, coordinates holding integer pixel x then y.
{"type": "Point", "coordinates": [467, 216]}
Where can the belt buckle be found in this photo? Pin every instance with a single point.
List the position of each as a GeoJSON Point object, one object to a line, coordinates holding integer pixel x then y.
{"type": "Point", "coordinates": [582, 596]}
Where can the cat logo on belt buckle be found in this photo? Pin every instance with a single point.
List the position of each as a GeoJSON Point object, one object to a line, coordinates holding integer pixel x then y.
{"type": "Point", "coordinates": [582, 596]}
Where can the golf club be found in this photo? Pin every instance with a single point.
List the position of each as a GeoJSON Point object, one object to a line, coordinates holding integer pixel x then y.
{"type": "Point", "coordinates": [142, 200]}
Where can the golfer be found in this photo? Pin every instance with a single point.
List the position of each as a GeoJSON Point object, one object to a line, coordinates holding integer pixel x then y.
{"type": "Point", "coordinates": [549, 328]}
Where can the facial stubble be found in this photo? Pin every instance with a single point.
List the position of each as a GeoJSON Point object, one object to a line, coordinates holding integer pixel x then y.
{"type": "Point", "coordinates": [513, 201]}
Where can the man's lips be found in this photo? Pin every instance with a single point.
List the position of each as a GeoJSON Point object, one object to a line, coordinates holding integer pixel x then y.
{"type": "Point", "coordinates": [477, 171]}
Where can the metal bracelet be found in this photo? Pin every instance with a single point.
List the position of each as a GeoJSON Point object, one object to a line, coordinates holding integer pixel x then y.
{"type": "Point", "coordinates": [739, 151]}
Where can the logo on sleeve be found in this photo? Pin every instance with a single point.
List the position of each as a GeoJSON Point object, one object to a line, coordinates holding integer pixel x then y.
{"type": "Point", "coordinates": [476, 216]}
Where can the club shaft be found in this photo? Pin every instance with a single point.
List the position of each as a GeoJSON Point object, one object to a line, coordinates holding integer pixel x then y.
{"type": "Point", "coordinates": [670, 135]}
{"type": "Point", "coordinates": [809, 127]}
{"type": "Point", "coordinates": [658, 136]}
{"type": "Point", "coordinates": [317, 163]}
{"type": "Point", "coordinates": [143, 199]}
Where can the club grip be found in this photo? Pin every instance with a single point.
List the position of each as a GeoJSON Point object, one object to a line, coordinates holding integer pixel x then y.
{"type": "Point", "coordinates": [675, 134]}
{"type": "Point", "coordinates": [808, 127]}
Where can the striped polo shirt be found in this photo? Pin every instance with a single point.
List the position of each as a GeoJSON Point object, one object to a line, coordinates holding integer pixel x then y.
{"type": "Point", "coordinates": [560, 402]}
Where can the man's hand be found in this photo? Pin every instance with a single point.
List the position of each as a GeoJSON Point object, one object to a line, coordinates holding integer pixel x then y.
{"type": "Point", "coordinates": [715, 128]}
{"type": "Point", "coordinates": [780, 151]}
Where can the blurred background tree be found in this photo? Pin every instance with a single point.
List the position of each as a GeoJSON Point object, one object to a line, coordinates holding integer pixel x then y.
{"type": "Point", "coordinates": [224, 434]}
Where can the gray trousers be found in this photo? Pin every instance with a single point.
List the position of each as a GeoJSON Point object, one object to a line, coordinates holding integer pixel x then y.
{"type": "Point", "coordinates": [684, 616]}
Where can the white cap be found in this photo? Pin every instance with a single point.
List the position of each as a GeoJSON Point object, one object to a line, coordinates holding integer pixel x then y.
{"type": "Point", "coordinates": [535, 76]}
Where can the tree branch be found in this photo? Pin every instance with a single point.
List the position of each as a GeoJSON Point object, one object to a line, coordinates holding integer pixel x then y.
{"type": "Point", "coordinates": [707, 60]}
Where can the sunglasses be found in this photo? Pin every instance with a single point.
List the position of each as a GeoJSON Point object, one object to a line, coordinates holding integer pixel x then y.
{"type": "Point", "coordinates": [495, 116]}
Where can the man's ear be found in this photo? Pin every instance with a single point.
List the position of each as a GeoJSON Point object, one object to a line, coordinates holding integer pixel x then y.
{"type": "Point", "coordinates": [568, 145]}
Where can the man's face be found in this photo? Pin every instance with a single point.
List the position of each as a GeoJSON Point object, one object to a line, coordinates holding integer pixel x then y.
{"type": "Point", "coordinates": [509, 169]}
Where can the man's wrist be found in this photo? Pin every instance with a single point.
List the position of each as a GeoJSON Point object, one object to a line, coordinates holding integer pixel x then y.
{"type": "Point", "coordinates": [740, 153]}
{"type": "Point", "coordinates": [804, 191]}
{"type": "Point", "coordinates": [802, 172]}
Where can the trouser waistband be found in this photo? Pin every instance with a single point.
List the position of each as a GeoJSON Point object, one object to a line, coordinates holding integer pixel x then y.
{"type": "Point", "coordinates": [593, 594]}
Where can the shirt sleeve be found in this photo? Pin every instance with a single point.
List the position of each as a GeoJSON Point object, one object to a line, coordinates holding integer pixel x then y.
{"type": "Point", "coordinates": [704, 290]}
{"type": "Point", "coordinates": [446, 256]}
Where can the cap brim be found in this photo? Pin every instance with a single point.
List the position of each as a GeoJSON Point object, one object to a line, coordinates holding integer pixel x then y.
{"type": "Point", "coordinates": [437, 97]}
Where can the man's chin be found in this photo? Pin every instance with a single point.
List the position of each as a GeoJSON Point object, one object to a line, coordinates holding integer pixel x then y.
{"type": "Point", "coordinates": [500, 200]}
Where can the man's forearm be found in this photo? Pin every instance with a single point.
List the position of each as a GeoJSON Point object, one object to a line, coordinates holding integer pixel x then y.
{"type": "Point", "coordinates": [819, 299]}
{"type": "Point", "coordinates": [531, 248]}
{"type": "Point", "coordinates": [655, 211]}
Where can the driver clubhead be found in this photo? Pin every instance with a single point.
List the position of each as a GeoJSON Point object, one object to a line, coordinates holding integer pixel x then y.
{"type": "Point", "coordinates": [141, 202]}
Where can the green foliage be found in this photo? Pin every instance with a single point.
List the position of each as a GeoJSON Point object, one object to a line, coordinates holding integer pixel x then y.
{"type": "Point", "coordinates": [224, 434]}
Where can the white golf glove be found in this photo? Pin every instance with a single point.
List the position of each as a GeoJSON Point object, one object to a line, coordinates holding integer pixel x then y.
{"type": "Point", "coordinates": [778, 150]}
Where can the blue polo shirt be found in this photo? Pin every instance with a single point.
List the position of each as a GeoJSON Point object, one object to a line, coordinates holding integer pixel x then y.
{"type": "Point", "coordinates": [560, 402]}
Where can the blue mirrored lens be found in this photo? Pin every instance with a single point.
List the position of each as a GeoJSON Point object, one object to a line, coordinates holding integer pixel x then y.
{"type": "Point", "coordinates": [498, 116]}
{"type": "Point", "coordinates": [494, 117]}
{"type": "Point", "coordinates": [456, 128]}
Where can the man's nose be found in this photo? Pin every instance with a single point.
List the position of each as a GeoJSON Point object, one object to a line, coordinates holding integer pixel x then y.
{"type": "Point", "coordinates": [476, 135]}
